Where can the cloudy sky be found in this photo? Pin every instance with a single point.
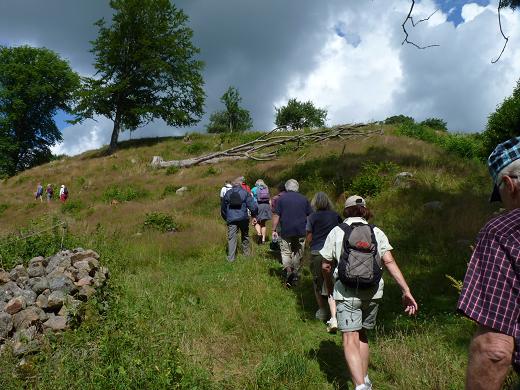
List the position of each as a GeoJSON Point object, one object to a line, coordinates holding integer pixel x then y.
{"type": "Point", "coordinates": [345, 56]}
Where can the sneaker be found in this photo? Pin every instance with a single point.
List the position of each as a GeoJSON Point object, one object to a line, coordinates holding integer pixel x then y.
{"type": "Point", "coordinates": [332, 325]}
{"type": "Point", "coordinates": [290, 281]}
{"type": "Point", "coordinates": [322, 314]}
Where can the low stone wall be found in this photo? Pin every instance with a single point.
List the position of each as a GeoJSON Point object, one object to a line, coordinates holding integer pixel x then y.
{"type": "Point", "coordinates": [45, 295]}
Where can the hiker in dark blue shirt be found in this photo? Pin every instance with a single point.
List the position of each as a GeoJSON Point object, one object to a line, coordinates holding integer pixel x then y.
{"type": "Point", "coordinates": [319, 225]}
{"type": "Point", "coordinates": [234, 206]}
{"type": "Point", "coordinates": [291, 211]}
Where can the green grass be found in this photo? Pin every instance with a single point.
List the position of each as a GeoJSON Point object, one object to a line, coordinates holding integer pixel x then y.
{"type": "Point", "coordinates": [178, 316]}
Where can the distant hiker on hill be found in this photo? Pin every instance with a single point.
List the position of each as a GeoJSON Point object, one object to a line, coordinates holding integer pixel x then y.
{"type": "Point", "coordinates": [319, 225]}
{"type": "Point", "coordinates": [227, 186]}
{"type": "Point", "coordinates": [491, 292]}
{"type": "Point", "coordinates": [360, 250]}
{"type": "Point", "coordinates": [50, 192]}
{"type": "Point", "coordinates": [291, 210]}
{"type": "Point", "coordinates": [64, 193]}
{"type": "Point", "coordinates": [39, 192]}
{"type": "Point", "coordinates": [261, 193]}
{"type": "Point", "coordinates": [234, 210]}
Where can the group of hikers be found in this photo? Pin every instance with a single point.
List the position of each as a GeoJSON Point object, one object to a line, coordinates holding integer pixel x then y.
{"type": "Point", "coordinates": [49, 193]}
{"type": "Point", "coordinates": [348, 255]}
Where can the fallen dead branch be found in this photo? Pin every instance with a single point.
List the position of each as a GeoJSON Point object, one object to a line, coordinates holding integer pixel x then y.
{"type": "Point", "coordinates": [269, 145]}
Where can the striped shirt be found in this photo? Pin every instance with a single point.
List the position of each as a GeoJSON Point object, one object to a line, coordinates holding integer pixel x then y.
{"type": "Point", "coordinates": [491, 292]}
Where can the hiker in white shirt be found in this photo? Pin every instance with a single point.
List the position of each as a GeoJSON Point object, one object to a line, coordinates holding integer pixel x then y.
{"type": "Point", "coordinates": [357, 306]}
{"type": "Point", "coordinates": [226, 188]}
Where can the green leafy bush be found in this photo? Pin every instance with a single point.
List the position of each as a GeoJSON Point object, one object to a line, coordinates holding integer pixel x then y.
{"type": "Point", "coordinates": [169, 190]}
{"type": "Point", "coordinates": [504, 123]}
{"type": "Point", "coordinates": [159, 221]}
{"type": "Point", "coordinates": [212, 171]}
{"type": "Point", "coordinates": [435, 123]}
{"type": "Point", "coordinates": [72, 206]}
{"type": "Point", "coordinates": [3, 208]}
{"type": "Point", "coordinates": [172, 170]}
{"type": "Point", "coordinates": [196, 147]}
{"type": "Point", "coordinates": [399, 119]}
{"type": "Point", "coordinates": [124, 194]}
{"type": "Point", "coordinates": [373, 178]}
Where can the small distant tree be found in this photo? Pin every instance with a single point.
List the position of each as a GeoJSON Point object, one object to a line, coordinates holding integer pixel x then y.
{"type": "Point", "coordinates": [234, 118]}
{"type": "Point", "coordinates": [146, 69]}
{"type": "Point", "coordinates": [298, 115]}
{"type": "Point", "coordinates": [504, 123]}
{"type": "Point", "coordinates": [34, 84]}
{"type": "Point", "coordinates": [435, 123]}
{"type": "Point", "coordinates": [399, 120]}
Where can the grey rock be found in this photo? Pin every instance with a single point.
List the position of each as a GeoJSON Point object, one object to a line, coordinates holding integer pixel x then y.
{"type": "Point", "coordinates": [10, 289]}
{"type": "Point", "coordinates": [62, 283]}
{"type": "Point", "coordinates": [56, 300]}
{"type": "Point", "coordinates": [6, 324]}
{"type": "Point", "coordinates": [435, 205]}
{"type": "Point", "coordinates": [39, 284]}
{"type": "Point", "coordinates": [28, 317]}
{"type": "Point", "coordinates": [36, 269]}
{"type": "Point", "coordinates": [20, 348]}
{"type": "Point", "coordinates": [36, 261]}
{"type": "Point", "coordinates": [4, 277]}
{"type": "Point", "coordinates": [84, 255]}
{"type": "Point", "coordinates": [25, 335]}
{"type": "Point", "coordinates": [403, 180]}
{"type": "Point", "coordinates": [61, 260]}
{"type": "Point", "coordinates": [86, 281]}
{"type": "Point", "coordinates": [29, 296]}
{"type": "Point", "coordinates": [86, 292]}
{"type": "Point", "coordinates": [42, 301]}
{"type": "Point", "coordinates": [83, 265]}
{"type": "Point", "coordinates": [181, 190]}
{"type": "Point", "coordinates": [56, 323]}
{"type": "Point", "coordinates": [18, 272]}
{"type": "Point", "coordinates": [15, 305]}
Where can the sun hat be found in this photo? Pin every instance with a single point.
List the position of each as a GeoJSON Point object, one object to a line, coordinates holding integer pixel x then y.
{"type": "Point", "coordinates": [503, 155]}
{"type": "Point", "coordinates": [355, 200]}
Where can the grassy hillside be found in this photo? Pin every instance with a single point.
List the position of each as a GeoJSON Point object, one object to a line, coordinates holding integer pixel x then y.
{"type": "Point", "coordinates": [177, 315]}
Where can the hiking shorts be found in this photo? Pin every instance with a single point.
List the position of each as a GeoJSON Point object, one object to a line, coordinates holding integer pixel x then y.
{"type": "Point", "coordinates": [356, 314]}
{"type": "Point", "coordinates": [317, 274]}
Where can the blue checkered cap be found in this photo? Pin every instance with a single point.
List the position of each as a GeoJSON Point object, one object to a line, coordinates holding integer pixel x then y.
{"type": "Point", "coordinates": [503, 155]}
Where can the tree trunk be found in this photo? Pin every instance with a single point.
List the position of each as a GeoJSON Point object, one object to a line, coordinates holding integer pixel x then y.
{"type": "Point", "coordinates": [115, 134]}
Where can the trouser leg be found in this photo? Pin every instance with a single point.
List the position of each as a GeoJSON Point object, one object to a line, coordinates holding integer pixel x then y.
{"type": "Point", "coordinates": [232, 241]}
{"type": "Point", "coordinates": [244, 231]}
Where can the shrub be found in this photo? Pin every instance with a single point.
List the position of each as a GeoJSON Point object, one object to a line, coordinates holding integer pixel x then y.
{"type": "Point", "coordinates": [124, 194]}
{"type": "Point", "coordinates": [435, 123]}
{"type": "Point", "coordinates": [504, 123]}
{"type": "Point", "coordinates": [399, 119]}
{"type": "Point", "coordinates": [373, 178]}
{"type": "Point", "coordinates": [172, 170]}
{"type": "Point", "coordinates": [72, 207]}
{"type": "Point", "coordinates": [159, 221]}
{"type": "Point", "coordinates": [169, 190]}
{"type": "Point", "coordinates": [195, 147]}
{"type": "Point", "coordinates": [212, 171]}
{"type": "Point", "coordinates": [3, 208]}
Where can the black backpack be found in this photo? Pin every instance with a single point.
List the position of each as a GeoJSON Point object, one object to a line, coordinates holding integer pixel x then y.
{"type": "Point", "coordinates": [235, 200]}
{"type": "Point", "coordinates": [360, 264]}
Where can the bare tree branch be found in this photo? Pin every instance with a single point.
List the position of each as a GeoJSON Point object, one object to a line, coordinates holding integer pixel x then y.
{"type": "Point", "coordinates": [268, 146]}
{"type": "Point", "coordinates": [500, 6]}
{"type": "Point", "coordinates": [409, 17]}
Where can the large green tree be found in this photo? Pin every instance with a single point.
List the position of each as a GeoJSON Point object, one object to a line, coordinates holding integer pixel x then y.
{"type": "Point", "coordinates": [504, 123]}
{"type": "Point", "coordinates": [234, 118]}
{"type": "Point", "coordinates": [146, 69]}
{"type": "Point", "coordinates": [298, 115]}
{"type": "Point", "coordinates": [34, 84]}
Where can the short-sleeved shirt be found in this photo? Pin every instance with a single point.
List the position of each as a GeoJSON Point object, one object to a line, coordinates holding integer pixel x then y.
{"type": "Point", "coordinates": [320, 223]}
{"type": "Point", "coordinates": [293, 209]}
{"type": "Point", "coordinates": [491, 292]}
{"type": "Point", "coordinates": [332, 250]}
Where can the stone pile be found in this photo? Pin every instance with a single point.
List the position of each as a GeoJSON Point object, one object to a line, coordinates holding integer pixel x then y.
{"type": "Point", "coordinates": [45, 296]}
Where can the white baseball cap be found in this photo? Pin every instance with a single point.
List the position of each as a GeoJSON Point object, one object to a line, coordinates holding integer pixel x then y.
{"type": "Point", "coordinates": [355, 200]}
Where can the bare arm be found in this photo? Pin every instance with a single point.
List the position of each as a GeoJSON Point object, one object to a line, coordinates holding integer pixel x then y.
{"type": "Point", "coordinates": [276, 220]}
{"type": "Point", "coordinates": [309, 237]}
{"type": "Point", "coordinates": [411, 306]}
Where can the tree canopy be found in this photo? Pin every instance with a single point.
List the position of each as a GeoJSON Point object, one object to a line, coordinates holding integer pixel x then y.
{"type": "Point", "coordinates": [234, 118]}
{"type": "Point", "coordinates": [435, 123]}
{"type": "Point", "coordinates": [34, 84]}
{"type": "Point", "coordinates": [504, 123]}
{"type": "Point", "coordinates": [298, 115]}
{"type": "Point", "coordinates": [146, 69]}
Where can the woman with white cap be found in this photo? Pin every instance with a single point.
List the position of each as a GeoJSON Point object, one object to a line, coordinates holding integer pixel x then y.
{"type": "Point", "coordinates": [361, 250]}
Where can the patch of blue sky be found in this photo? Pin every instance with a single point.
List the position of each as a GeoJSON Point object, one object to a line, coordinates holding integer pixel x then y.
{"type": "Point", "coordinates": [61, 118]}
{"type": "Point", "coordinates": [351, 37]}
{"type": "Point", "coordinates": [453, 8]}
